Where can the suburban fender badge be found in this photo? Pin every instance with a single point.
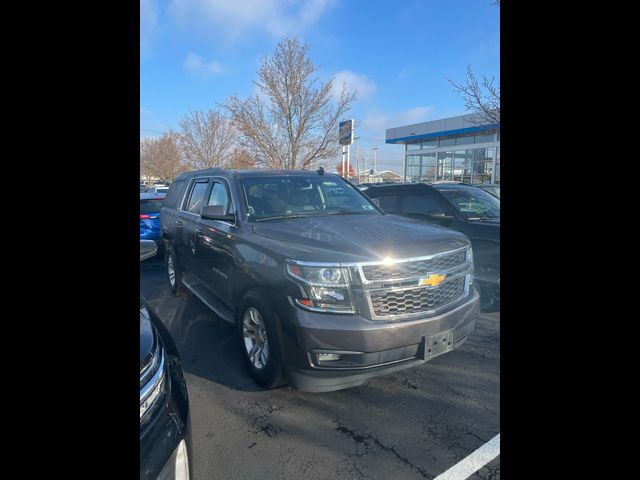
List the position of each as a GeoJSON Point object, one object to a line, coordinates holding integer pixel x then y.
{"type": "Point", "coordinates": [432, 280]}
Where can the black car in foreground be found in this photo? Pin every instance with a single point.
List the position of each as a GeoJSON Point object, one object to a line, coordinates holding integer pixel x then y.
{"type": "Point", "coordinates": [325, 290]}
{"type": "Point", "coordinates": [462, 207]}
{"type": "Point", "coordinates": [165, 433]}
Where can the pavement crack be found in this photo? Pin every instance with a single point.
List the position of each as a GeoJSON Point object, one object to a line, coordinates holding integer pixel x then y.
{"type": "Point", "coordinates": [470, 397]}
{"type": "Point", "coordinates": [366, 439]}
{"type": "Point", "coordinates": [261, 422]}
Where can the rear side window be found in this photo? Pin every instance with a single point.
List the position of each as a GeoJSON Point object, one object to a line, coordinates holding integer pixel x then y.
{"type": "Point", "coordinates": [151, 205]}
{"type": "Point", "coordinates": [196, 198]}
{"type": "Point", "coordinates": [421, 204]}
{"type": "Point", "coordinates": [175, 193]}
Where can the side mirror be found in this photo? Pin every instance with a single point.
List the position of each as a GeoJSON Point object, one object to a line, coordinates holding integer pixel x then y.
{"type": "Point", "coordinates": [376, 201]}
{"type": "Point", "coordinates": [438, 215]}
{"type": "Point", "coordinates": [215, 212]}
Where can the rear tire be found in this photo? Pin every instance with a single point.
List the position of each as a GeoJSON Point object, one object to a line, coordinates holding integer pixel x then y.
{"type": "Point", "coordinates": [174, 274]}
{"type": "Point", "coordinates": [257, 334]}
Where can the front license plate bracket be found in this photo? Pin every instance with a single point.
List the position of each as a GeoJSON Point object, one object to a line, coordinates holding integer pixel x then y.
{"type": "Point", "coordinates": [434, 345]}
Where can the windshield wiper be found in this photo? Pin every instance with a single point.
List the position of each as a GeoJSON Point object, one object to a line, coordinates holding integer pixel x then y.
{"type": "Point", "coordinates": [276, 217]}
{"type": "Point", "coordinates": [349, 212]}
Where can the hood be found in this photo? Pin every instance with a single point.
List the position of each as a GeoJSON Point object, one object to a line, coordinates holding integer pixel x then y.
{"type": "Point", "coordinates": [353, 238]}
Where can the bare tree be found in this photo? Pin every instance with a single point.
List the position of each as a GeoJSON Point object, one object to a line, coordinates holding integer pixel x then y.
{"type": "Point", "coordinates": [161, 157]}
{"type": "Point", "coordinates": [482, 98]}
{"type": "Point", "coordinates": [240, 158]}
{"type": "Point", "coordinates": [206, 138]}
{"type": "Point", "coordinates": [294, 123]}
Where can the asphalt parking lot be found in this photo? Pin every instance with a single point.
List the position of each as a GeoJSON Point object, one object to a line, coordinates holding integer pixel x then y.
{"type": "Point", "coordinates": [412, 424]}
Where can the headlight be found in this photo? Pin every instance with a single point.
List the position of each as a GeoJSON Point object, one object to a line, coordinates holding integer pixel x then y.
{"type": "Point", "coordinates": [325, 288]}
{"type": "Point", "coordinates": [154, 385]}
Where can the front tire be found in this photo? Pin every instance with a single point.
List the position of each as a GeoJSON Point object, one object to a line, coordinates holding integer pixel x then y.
{"type": "Point", "coordinates": [256, 330]}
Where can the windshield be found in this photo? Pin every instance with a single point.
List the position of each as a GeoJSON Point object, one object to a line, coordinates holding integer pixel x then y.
{"type": "Point", "coordinates": [297, 196]}
{"type": "Point", "coordinates": [473, 204]}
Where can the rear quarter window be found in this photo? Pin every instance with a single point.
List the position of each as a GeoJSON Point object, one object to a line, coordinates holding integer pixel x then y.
{"type": "Point", "coordinates": [175, 193]}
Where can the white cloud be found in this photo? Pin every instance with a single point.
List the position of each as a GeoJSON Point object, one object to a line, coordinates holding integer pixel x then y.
{"type": "Point", "coordinates": [195, 64]}
{"type": "Point", "coordinates": [414, 115]}
{"type": "Point", "coordinates": [144, 111]}
{"type": "Point", "coordinates": [377, 122]}
{"type": "Point", "coordinates": [235, 18]}
{"type": "Point", "coordinates": [354, 81]}
{"type": "Point", "coordinates": [148, 24]}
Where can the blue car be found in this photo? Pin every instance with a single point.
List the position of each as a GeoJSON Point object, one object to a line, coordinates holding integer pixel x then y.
{"type": "Point", "coordinates": [150, 205]}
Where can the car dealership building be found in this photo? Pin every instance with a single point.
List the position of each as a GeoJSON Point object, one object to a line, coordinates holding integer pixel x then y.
{"type": "Point", "coordinates": [458, 148]}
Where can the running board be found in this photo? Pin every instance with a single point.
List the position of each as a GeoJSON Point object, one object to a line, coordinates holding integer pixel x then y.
{"type": "Point", "coordinates": [207, 300]}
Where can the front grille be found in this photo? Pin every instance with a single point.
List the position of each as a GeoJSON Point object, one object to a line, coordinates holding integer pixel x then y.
{"type": "Point", "coordinates": [416, 300]}
{"type": "Point", "coordinates": [420, 268]}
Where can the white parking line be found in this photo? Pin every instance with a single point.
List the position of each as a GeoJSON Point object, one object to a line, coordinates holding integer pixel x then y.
{"type": "Point", "coordinates": [474, 462]}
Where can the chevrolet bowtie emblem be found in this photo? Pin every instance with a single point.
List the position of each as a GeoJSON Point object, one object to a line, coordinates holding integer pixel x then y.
{"type": "Point", "coordinates": [432, 280]}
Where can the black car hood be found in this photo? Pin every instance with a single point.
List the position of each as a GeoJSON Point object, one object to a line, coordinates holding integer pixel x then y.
{"type": "Point", "coordinates": [352, 238]}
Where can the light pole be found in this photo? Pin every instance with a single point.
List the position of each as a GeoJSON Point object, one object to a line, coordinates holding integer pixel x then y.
{"type": "Point", "coordinates": [355, 139]}
{"type": "Point", "coordinates": [375, 160]}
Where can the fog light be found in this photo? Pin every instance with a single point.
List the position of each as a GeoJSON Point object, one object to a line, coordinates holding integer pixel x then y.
{"type": "Point", "coordinates": [328, 357]}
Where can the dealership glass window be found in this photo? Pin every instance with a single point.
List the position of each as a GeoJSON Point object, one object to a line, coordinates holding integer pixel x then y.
{"type": "Point", "coordinates": [430, 143]}
{"type": "Point", "coordinates": [464, 139]}
{"type": "Point", "coordinates": [428, 171]}
{"type": "Point", "coordinates": [482, 165]}
{"type": "Point", "coordinates": [447, 141]}
{"type": "Point", "coordinates": [413, 146]}
{"type": "Point", "coordinates": [486, 137]}
{"type": "Point", "coordinates": [444, 169]}
{"type": "Point", "coordinates": [462, 166]}
{"type": "Point", "coordinates": [413, 168]}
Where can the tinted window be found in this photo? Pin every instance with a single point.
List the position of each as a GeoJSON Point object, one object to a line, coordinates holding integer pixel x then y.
{"type": "Point", "coordinates": [421, 204]}
{"type": "Point", "coordinates": [174, 194]}
{"type": "Point", "coordinates": [196, 199]}
{"type": "Point", "coordinates": [219, 196]}
{"type": "Point", "coordinates": [388, 203]}
{"type": "Point", "coordinates": [473, 203]}
{"type": "Point", "coordinates": [150, 205]}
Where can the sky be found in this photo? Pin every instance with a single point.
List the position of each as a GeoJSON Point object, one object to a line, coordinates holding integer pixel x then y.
{"type": "Point", "coordinates": [396, 54]}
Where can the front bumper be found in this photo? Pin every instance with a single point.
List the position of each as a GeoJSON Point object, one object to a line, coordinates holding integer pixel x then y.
{"type": "Point", "coordinates": [371, 348]}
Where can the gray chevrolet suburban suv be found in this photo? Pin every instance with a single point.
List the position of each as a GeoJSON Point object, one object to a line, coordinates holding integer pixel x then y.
{"type": "Point", "coordinates": [325, 290]}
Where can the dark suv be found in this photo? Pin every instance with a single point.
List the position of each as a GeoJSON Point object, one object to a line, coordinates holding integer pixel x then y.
{"type": "Point", "coordinates": [324, 288]}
